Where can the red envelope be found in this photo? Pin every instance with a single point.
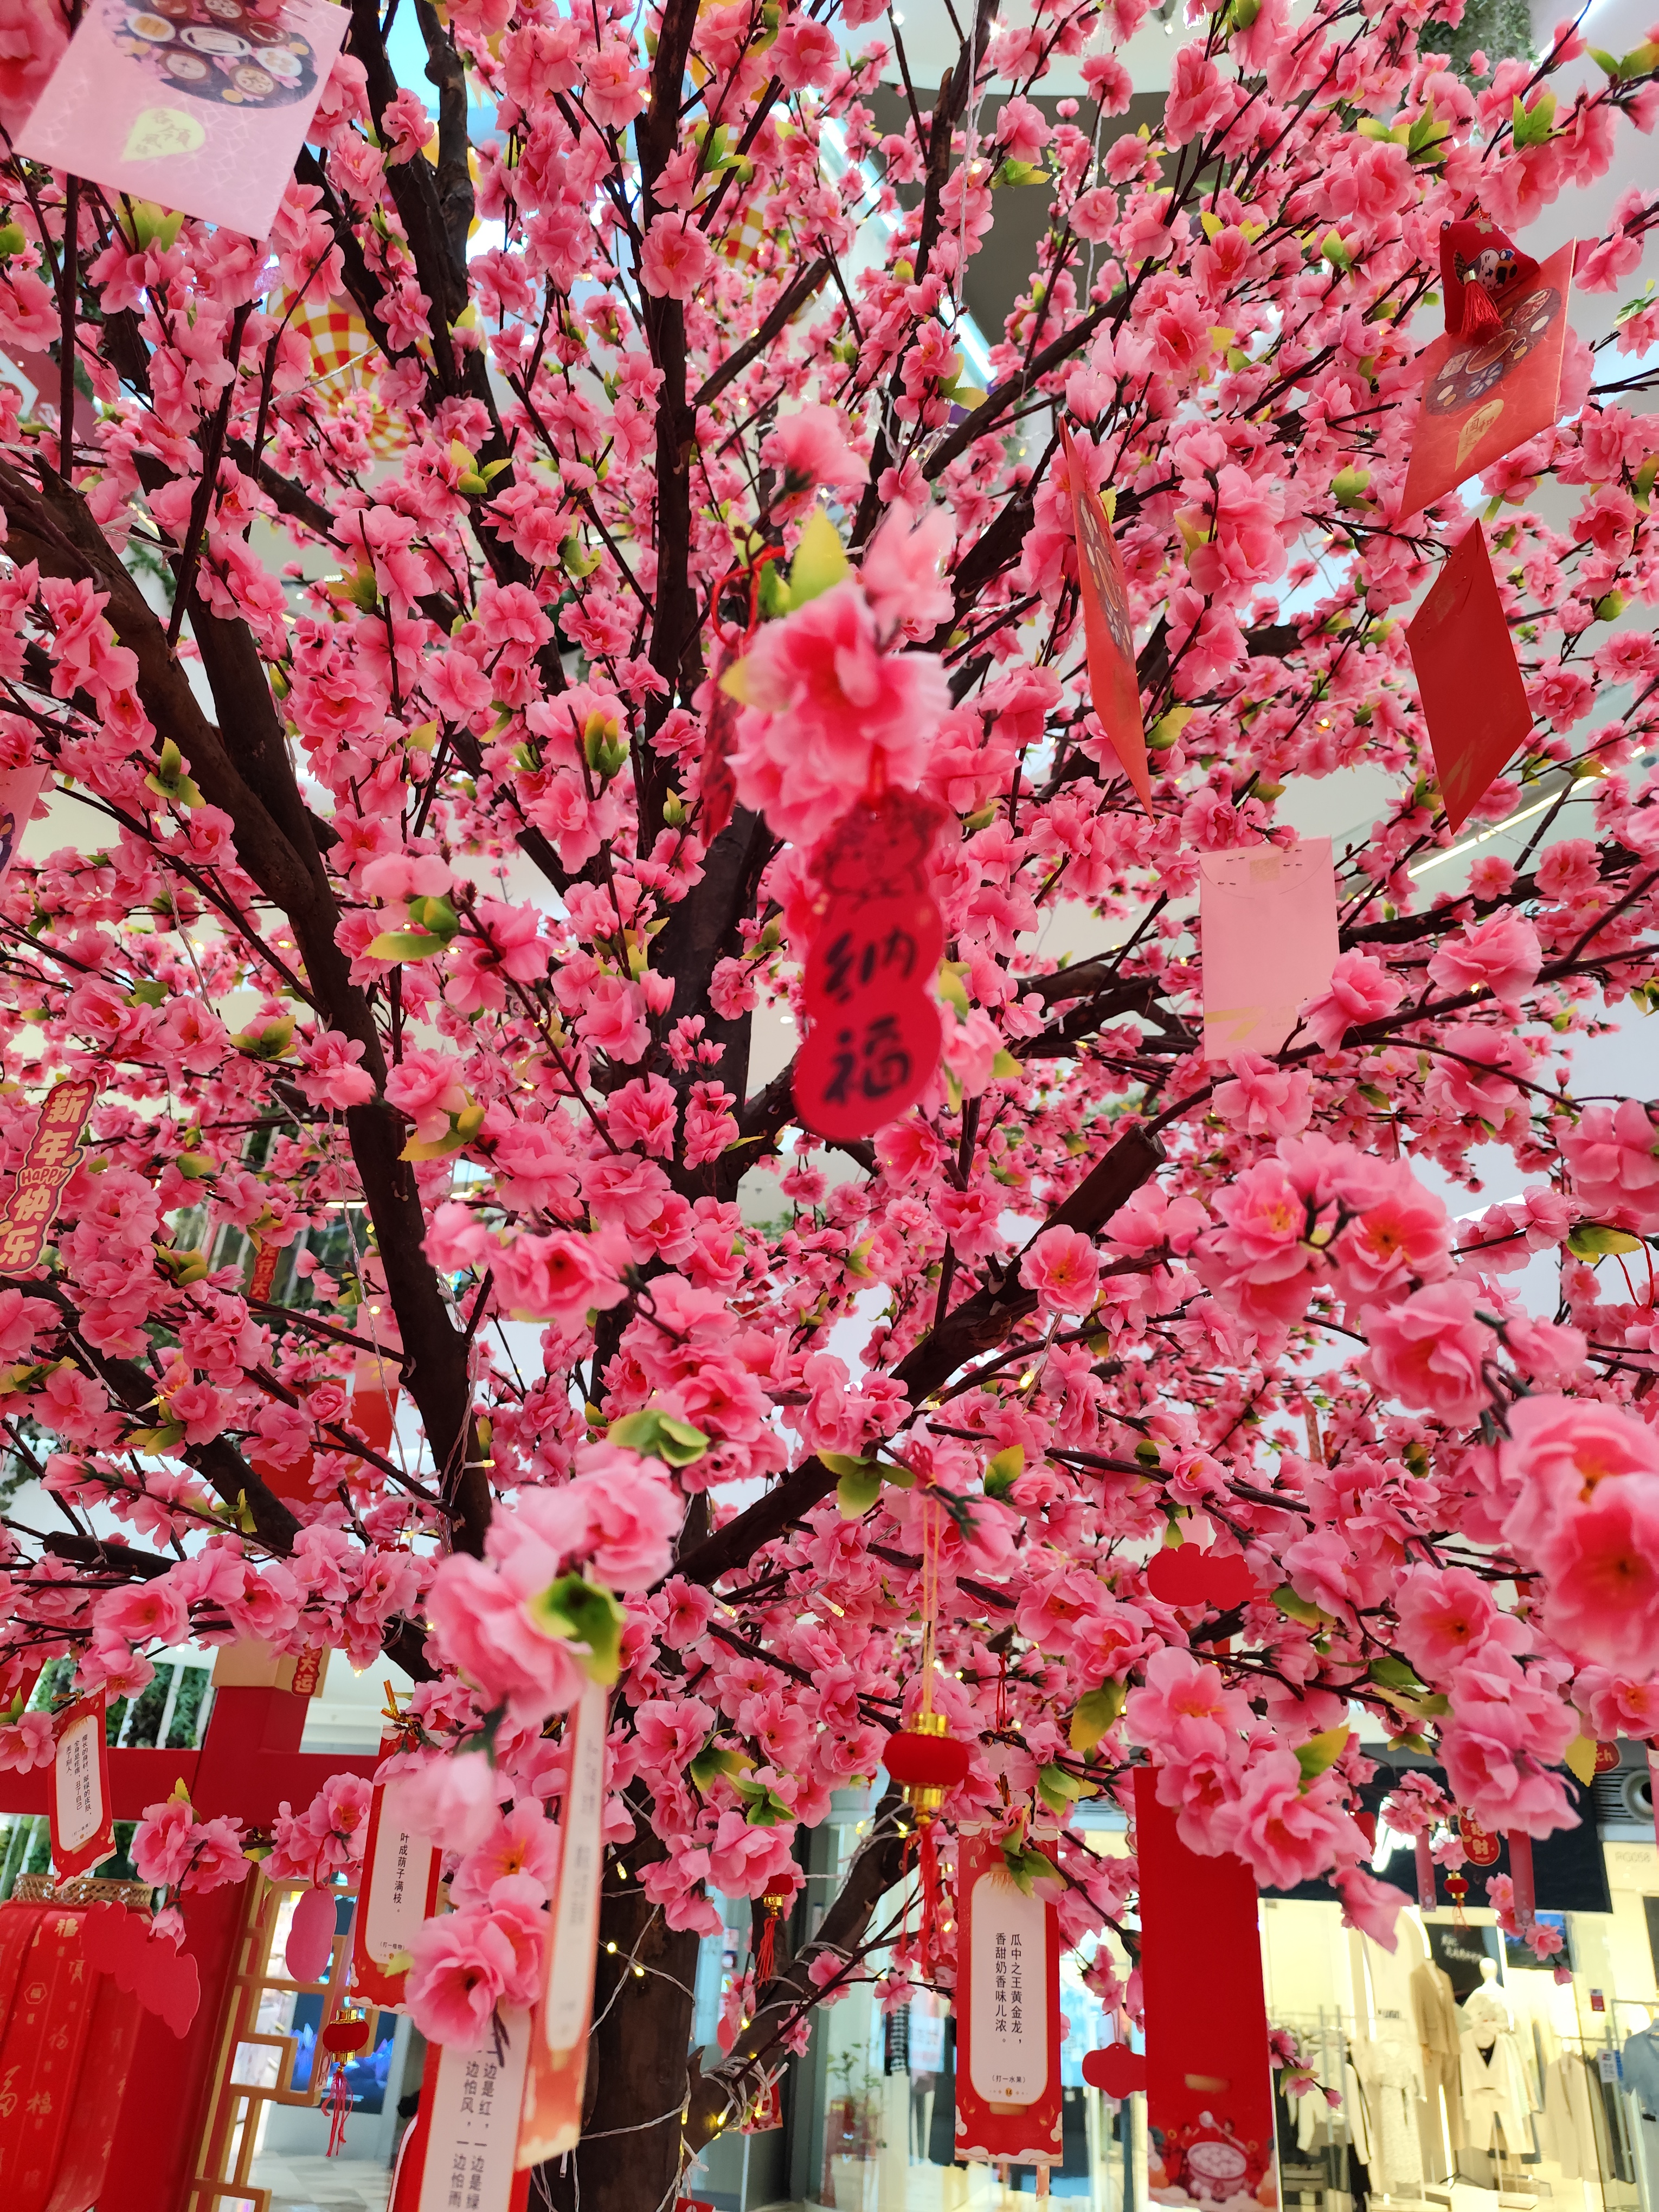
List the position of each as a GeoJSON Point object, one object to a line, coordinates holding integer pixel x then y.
{"type": "Point", "coordinates": [1114, 680]}
{"type": "Point", "coordinates": [1468, 677]}
{"type": "Point", "coordinates": [1267, 931]}
{"type": "Point", "coordinates": [1483, 398]}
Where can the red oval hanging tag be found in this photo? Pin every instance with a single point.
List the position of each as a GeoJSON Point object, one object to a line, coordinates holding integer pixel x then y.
{"type": "Point", "coordinates": [873, 1035]}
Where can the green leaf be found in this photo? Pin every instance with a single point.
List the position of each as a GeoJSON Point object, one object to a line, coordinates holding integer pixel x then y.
{"type": "Point", "coordinates": [657, 1435]}
{"type": "Point", "coordinates": [856, 1493]}
{"type": "Point", "coordinates": [1095, 1712]}
{"type": "Point", "coordinates": [1333, 249]}
{"type": "Point", "coordinates": [715, 1759]}
{"type": "Point", "coordinates": [1004, 1470]}
{"type": "Point", "coordinates": [1640, 61]}
{"type": "Point", "coordinates": [1321, 1751]}
{"type": "Point", "coordinates": [1604, 61]}
{"type": "Point", "coordinates": [153, 1443]}
{"type": "Point", "coordinates": [765, 1811]}
{"type": "Point", "coordinates": [1017, 173]}
{"type": "Point", "coordinates": [581, 1612]}
{"type": "Point", "coordinates": [820, 561]}
{"type": "Point", "coordinates": [1393, 1672]}
{"type": "Point", "coordinates": [1297, 1608]}
{"type": "Point", "coordinates": [149, 993]}
{"type": "Point", "coordinates": [1595, 1240]}
{"type": "Point", "coordinates": [1027, 1866]}
{"type": "Point", "coordinates": [432, 1148]}
{"type": "Point", "coordinates": [405, 944]}
{"type": "Point", "coordinates": [1534, 125]}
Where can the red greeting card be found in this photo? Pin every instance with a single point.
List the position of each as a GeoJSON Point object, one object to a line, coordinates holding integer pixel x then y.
{"type": "Point", "coordinates": [1008, 2101]}
{"type": "Point", "coordinates": [1485, 394]}
{"type": "Point", "coordinates": [873, 1034]}
{"type": "Point", "coordinates": [1108, 630]}
{"type": "Point", "coordinates": [201, 105]}
{"type": "Point", "coordinates": [82, 1818]}
{"type": "Point", "coordinates": [398, 1891]}
{"type": "Point", "coordinates": [1468, 677]}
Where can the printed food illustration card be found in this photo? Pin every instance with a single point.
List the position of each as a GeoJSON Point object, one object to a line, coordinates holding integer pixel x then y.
{"type": "Point", "coordinates": [200, 105]}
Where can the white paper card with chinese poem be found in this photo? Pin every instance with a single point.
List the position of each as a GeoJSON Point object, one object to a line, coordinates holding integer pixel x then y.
{"type": "Point", "coordinates": [1268, 931]}
{"type": "Point", "coordinates": [474, 2121]}
{"type": "Point", "coordinates": [199, 104]}
{"type": "Point", "coordinates": [1010, 1970]}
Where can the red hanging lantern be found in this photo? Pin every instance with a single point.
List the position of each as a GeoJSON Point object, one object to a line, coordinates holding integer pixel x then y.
{"type": "Point", "coordinates": [341, 2039]}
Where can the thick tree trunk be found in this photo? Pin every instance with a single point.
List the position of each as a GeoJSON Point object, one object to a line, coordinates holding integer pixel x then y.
{"type": "Point", "coordinates": [638, 2079]}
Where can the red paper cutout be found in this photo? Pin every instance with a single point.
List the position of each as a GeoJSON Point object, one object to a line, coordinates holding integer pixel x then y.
{"type": "Point", "coordinates": [118, 1943]}
{"type": "Point", "coordinates": [1468, 677]}
{"type": "Point", "coordinates": [1188, 1577]}
{"type": "Point", "coordinates": [1116, 2071]}
{"type": "Point", "coordinates": [1480, 1847]}
{"type": "Point", "coordinates": [1485, 395]}
{"type": "Point", "coordinates": [1114, 678]}
{"type": "Point", "coordinates": [874, 1036]}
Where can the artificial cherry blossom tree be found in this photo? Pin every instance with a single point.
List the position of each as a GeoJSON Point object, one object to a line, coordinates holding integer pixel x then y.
{"type": "Point", "coordinates": [399, 907]}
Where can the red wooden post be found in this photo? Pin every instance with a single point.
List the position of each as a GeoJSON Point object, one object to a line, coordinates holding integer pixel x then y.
{"type": "Point", "coordinates": [249, 1762]}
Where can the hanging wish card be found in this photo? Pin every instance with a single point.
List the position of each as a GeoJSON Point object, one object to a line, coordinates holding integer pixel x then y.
{"type": "Point", "coordinates": [1468, 677]}
{"type": "Point", "coordinates": [82, 1817]}
{"type": "Point", "coordinates": [873, 1034]}
{"type": "Point", "coordinates": [557, 2071]}
{"type": "Point", "coordinates": [1267, 932]}
{"type": "Point", "coordinates": [199, 104]}
{"type": "Point", "coordinates": [398, 1891]}
{"type": "Point", "coordinates": [459, 2151]}
{"type": "Point", "coordinates": [1008, 2086]}
{"type": "Point", "coordinates": [1492, 385]}
{"type": "Point", "coordinates": [1209, 2077]}
{"type": "Point", "coordinates": [1108, 630]}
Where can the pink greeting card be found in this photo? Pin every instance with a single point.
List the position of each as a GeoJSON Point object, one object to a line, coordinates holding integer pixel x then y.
{"type": "Point", "coordinates": [1267, 932]}
{"type": "Point", "coordinates": [199, 104]}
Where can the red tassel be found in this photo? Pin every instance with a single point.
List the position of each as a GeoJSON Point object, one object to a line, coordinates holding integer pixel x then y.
{"type": "Point", "coordinates": [766, 1957]}
{"type": "Point", "coordinates": [1481, 321]}
{"type": "Point", "coordinates": [339, 2111]}
{"type": "Point", "coordinates": [930, 1901]}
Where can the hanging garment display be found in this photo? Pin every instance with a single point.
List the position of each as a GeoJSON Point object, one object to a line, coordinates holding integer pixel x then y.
{"type": "Point", "coordinates": [1569, 2128]}
{"type": "Point", "coordinates": [1434, 2007]}
{"type": "Point", "coordinates": [1494, 2087]}
{"type": "Point", "coordinates": [1391, 2070]}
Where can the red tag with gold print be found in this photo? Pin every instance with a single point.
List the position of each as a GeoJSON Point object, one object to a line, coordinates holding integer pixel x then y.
{"type": "Point", "coordinates": [873, 1034]}
{"type": "Point", "coordinates": [54, 1149]}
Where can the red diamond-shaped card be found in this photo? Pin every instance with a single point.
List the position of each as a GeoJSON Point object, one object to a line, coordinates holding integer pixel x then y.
{"type": "Point", "coordinates": [1484, 396]}
{"type": "Point", "coordinates": [1468, 677]}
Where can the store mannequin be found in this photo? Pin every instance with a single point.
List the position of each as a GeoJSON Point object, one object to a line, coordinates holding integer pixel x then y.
{"type": "Point", "coordinates": [1389, 2064]}
{"type": "Point", "coordinates": [1434, 2003]}
{"type": "Point", "coordinates": [1493, 2081]}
